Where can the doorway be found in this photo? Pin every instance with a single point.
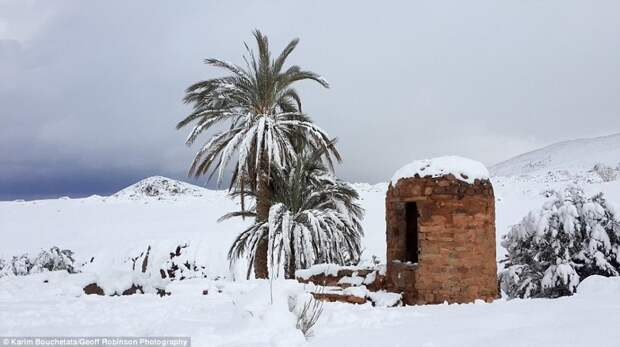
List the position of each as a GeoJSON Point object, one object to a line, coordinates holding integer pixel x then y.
{"type": "Point", "coordinates": [411, 212]}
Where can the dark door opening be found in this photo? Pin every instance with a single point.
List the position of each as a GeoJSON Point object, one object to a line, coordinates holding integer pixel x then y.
{"type": "Point", "coordinates": [411, 212]}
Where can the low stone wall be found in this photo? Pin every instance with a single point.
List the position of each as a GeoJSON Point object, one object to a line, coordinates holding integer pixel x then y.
{"type": "Point", "coordinates": [349, 284]}
{"type": "Point", "coordinates": [372, 278]}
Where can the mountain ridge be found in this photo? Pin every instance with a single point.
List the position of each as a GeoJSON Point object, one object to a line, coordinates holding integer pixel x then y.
{"type": "Point", "coordinates": [567, 159]}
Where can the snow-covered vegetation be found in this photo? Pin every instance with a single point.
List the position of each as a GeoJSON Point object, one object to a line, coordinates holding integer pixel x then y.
{"type": "Point", "coordinates": [315, 218]}
{"type": "Point", "coordinates": [266, 133]}
{"type": "Point", "coordinates": [570, 238]}
{"type": "Point", "coordinates": [308, 315]}
{"type": "Point", "coordinates": [53, 259]}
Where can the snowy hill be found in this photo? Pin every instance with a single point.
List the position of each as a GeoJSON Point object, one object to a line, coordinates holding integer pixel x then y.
{"type": "Point", "coordinates": [584, 160]}
{"type": "Point", "coordinates": [159, 187]}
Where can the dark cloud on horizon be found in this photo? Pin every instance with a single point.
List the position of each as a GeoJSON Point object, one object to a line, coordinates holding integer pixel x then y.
{"type": "Point", "coordinates": [90, 91]}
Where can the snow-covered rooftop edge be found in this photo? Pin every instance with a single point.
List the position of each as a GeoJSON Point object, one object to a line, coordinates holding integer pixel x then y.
{"type": "Point", "coordinates": [463, 169]}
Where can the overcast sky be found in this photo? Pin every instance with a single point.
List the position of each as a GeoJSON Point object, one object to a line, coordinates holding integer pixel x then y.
{"type": "Point", "coordinates": [90, 91]}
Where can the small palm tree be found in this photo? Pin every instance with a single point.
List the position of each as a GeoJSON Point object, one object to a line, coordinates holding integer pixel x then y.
{"type": "Point", "coordinates": [266, 126]}
{"type": "Point", "coordinates": [314, 218]}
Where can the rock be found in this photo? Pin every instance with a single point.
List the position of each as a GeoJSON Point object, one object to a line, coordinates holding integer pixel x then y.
{"type": "Point", "coordinates": [133, 290]}
{"type": "Point", "coordinates": [162, 292]}
{"type": "Point", "coordinates": [93, 288]}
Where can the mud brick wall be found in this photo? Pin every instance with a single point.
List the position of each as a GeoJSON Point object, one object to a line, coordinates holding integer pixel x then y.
{"type": "Point", "coordinates": [456, 240]}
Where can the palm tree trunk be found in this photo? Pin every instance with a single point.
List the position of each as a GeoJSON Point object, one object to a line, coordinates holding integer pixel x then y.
{"type": "Point", "coordinates": [290, 266]}
{"type": "Point", "coordinates": [263, 204]}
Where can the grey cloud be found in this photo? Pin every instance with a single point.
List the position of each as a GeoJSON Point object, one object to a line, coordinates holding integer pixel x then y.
{"type": "Point", "coordinates": [93, 89]}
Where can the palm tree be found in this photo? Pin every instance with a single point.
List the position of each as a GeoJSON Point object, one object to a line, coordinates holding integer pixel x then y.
{"type": "Point", "coordinates": [266, 126]}
{"type": "Point", "coordinates": [314, 218]}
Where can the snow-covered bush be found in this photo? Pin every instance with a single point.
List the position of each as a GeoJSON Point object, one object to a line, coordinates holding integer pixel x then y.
{"type": "Point", "coordinates": [53, 259]}
{"type": "Point", "coordinates": [607, 173]}
{"type": "Point", "coordinates": [19, 265]}
{"type": "Point", "coordinates": [144, 268]}
{"type": "Point", "coordinates": [174, 261]}
{"type": "Point", "coordinates": [552, 249]}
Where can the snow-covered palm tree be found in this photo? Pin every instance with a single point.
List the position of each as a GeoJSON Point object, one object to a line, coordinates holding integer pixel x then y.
{"type": "Point", "coordinates": [265, 125]}
{"type": "Point", "coordinates": [314, 218]}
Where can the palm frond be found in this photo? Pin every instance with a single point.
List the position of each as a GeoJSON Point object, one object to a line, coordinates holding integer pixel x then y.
{"type": "Point", "coordinates": [265, 126]}
{"type": "Point", "coordinates": [279, 62]}
{"type": "Point", "coordinates": [236, 214]}
{"type": "Point", "coordinates": [314, 218]}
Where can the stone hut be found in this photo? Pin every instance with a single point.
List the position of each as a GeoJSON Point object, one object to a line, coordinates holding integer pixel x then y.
{"type": "Point", "coordinates": [440, 216]}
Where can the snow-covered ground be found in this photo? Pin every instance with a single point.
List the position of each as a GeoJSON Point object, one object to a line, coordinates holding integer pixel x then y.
{"type": "Point", "coordinates": [241, 315]}
{"type": "Point", "coordinates": [238, 313]}
{"type": "Point", "coordinates": [589, 318]}
{"type": "Point", "coordinates": [112, 227]}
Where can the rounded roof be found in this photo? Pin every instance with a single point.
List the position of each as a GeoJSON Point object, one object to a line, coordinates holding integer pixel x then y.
{"type": "Point", "coordinates": [463, 169]}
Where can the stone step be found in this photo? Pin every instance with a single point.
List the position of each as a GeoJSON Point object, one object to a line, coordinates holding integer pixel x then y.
{"type": "Point", "coordinates": [346, 278]}
{"type": "Point", "coordinates": [358, 295]}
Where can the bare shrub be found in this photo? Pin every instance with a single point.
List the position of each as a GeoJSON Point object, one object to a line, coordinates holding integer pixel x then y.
{"type": "Point", "coordinates": [309, 315]}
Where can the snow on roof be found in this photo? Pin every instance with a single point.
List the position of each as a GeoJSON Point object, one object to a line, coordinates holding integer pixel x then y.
{"type": "Point", "coordinates": [463, 169]}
